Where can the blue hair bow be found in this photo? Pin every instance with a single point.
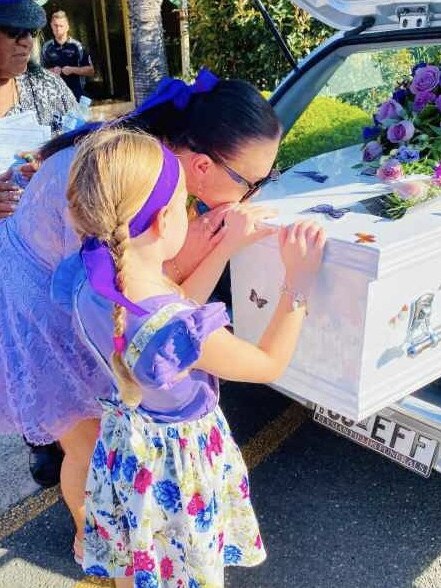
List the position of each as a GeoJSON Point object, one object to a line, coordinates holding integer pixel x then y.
{"type": "Point", "coordinates": [178, 92]}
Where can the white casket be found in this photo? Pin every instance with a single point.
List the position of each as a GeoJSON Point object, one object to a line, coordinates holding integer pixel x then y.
{"type": "Point", "coordinates": [375, 316]}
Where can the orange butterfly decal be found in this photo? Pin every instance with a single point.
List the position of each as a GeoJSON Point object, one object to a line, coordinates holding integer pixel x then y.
{"type": "Point", "coordinates": [402, 315]}
{"type": "Point", "coordinates": [365, 238]}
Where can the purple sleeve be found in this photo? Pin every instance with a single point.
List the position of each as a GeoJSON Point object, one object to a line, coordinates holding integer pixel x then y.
{"type": "Point", "coordinates": [177, 345]}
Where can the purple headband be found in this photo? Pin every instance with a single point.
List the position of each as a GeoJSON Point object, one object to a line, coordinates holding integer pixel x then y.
{"type": "Point", "coordinates": [178, 92]}
{"type": "Point", "coordinates": [97, 260]}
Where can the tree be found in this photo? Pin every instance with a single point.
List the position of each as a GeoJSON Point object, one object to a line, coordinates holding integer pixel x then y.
{"type": "Point", "coordinates": [149, 62]}
{"type": "Point", "coordinates": [230, 37]}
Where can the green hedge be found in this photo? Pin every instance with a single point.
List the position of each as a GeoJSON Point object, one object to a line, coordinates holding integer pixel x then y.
{"type": "Point", "coordinates": [230, 37]}
{"type": "Point", "coordinates": [327, 124]}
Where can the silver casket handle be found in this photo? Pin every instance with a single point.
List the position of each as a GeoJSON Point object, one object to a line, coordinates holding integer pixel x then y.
{"type": "Point", "coordinates": [420, 333]}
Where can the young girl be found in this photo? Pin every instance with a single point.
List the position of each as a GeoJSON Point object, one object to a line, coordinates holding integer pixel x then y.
{"type": "Point", "coordinates": [167, 496]}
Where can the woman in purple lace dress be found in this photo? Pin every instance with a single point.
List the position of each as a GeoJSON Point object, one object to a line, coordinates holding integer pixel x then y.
{"type": "Point", "coordinates": [226, 136]}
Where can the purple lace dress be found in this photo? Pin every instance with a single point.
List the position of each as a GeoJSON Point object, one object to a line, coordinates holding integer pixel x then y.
{"type": "Point", "coordinates": [48, 379]}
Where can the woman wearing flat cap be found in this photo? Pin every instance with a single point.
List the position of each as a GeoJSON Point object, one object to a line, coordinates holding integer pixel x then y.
{"type": "Point", "coordinates": [26, 86]}
{"type": "Point", "coordinates": [23, 85]}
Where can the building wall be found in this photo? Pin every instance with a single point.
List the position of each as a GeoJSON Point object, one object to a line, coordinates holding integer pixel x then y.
{"type": "Point", "coordinates": [100, 26]}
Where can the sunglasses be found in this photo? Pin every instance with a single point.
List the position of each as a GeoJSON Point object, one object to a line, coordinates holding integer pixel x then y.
{"type": "Point", "coordinates": [18, 33]}
{"type": "Point", "coordinates": [273, 176]}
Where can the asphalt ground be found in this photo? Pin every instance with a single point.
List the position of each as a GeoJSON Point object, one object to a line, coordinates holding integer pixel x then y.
{"type": "Point", "coordinates": [332, 514]}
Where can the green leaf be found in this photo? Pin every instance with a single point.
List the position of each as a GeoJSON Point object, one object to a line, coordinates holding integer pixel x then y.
{"type": "Point", "coordinates": [436, 130]}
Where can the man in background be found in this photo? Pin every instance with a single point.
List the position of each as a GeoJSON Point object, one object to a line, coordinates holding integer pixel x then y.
{"type": "Point", "coordinates": [65, 56]}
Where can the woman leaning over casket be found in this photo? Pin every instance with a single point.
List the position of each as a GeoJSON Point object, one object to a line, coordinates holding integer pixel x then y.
{"type": "Point", "coordinates": [226, 136]}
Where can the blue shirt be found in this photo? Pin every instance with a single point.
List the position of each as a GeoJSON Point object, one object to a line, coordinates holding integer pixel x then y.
{"type": "Point", "coordinates": [72, 53]}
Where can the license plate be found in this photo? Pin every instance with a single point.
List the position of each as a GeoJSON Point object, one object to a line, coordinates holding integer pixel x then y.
{"type": "Point", "coordinates": [409, 448]}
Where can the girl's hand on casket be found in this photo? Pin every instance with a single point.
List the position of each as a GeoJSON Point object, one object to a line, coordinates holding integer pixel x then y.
{"type": "Point", "coordinates": [301, 248]}
{"type": "Point", "coordinates": [10, 195]}
{"type": "Point", "coordinates": [244, 225]}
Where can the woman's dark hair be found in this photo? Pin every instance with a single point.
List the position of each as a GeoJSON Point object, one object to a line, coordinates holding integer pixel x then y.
{"type": "Point", "coordinates": [217, 123]}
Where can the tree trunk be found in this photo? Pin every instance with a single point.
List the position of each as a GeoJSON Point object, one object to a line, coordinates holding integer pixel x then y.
{"type": "Point", "coordinates": [149, 60]}
{"type": "Point", "coordinates": [185, 40]}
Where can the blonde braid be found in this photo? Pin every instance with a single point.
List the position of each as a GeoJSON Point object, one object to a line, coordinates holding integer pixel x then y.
{"type": "Point", "coordinates": [128, 387]}
{"type": "Point", "coordinates": [111, 176]}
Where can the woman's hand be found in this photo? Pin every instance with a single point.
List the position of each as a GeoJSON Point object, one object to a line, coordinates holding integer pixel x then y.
{"type": "Point", "coordinates": [204, 233]}
{"type": "Point", "coordinates": [32, 165]}
{"type": "Point", "coordinates": [244, 225]}
{"type": "Point", "coordinates": [301, 248]}
{"type": "Point", "coordinates": [10, 195]}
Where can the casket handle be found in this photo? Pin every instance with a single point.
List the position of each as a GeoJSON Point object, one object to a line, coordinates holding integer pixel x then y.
{"type": "Point", "coordinates": [420, 333]}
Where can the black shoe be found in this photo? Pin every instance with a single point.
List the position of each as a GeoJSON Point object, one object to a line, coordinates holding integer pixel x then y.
{"type": "Point", "coordinates": [45, 464]}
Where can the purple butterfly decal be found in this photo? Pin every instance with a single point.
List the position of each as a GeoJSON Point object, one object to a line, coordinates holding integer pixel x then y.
{"type": "Point", "coordinates": [329, 210]}
{"type": "Point", "coordinates": [259, 302]}
{"type": "Point", "coordinates": [312, 175]}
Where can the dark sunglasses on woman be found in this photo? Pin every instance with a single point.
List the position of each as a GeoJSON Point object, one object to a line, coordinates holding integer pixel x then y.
{"type": "Point", "coordinates": [18, 33]}
{"type": "Point", "coordinates": [253, 187]}
{"type": "Point", "coordinates": [273, 176]}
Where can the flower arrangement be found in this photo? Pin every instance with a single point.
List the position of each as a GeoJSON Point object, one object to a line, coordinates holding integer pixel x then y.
{"type": "Point", "coordinates": [405, 139]}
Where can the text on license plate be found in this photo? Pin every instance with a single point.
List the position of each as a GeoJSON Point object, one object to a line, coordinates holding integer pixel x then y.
{"type": "Point", "coordinates": [409, 448]}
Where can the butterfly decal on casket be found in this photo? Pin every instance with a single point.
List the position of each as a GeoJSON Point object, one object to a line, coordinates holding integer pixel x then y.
{"type": "Point", "coordinates": [258, 301]}
{"type": "Point", "coordinates": [329, 210]}
{"type": "Point", "coordinates": [365, 238]}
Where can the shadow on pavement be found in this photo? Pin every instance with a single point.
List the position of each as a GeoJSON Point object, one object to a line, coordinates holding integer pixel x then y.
{"type": "Point", "coordinates": [334, 515]}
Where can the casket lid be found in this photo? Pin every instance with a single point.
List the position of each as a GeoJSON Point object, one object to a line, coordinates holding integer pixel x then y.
{"type": "Point", "coordinates": [348, 14]}
{"type": "Point", "coordinates": [413, 238]}
{"type": "Point", "coordinates": [366, 242]}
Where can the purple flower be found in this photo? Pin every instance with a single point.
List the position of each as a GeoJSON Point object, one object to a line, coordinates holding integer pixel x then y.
{"type": "Point", "coordinates": [372, 151]}
{"type": "Point", "coordinates": [407, 154]}
{"type": "Point", "coordinates": [426, 78]}
{"type": "Point", "coordinates": [438, 102]}
{"type": "Point", "coordinates": [389, 109]}
{"type": "Point", "coordinates": [422, 99]}
{"type": "Point", "coordinates": [390, 171]}
{"type": "Point", "coordinates": [436, 178]}
{"type": "Point", "coordinates": [400, 95]}
{"type": "Point", "coordinates": [370, 133]}
{"type": "Point", "coordinates": [418, 66]}
{"type": "Point", "coordinates": [402, 131]}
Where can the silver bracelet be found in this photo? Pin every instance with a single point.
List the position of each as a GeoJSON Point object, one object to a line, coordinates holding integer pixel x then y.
{"type": "Point", "coordinates": [298, 299]}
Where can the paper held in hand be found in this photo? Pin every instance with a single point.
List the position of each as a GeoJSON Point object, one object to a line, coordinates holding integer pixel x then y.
{"type": "Point", "coordinates": [20, 133]}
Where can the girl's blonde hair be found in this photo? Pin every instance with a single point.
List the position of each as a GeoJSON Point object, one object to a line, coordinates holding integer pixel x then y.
{"type": "Point", "coordinates": [113, 172]}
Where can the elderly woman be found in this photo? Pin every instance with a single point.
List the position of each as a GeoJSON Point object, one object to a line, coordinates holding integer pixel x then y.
{"type": "Point", "coordinates": [25, 86]}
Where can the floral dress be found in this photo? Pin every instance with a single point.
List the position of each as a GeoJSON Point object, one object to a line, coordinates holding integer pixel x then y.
{"type": "Point", "coordinates": [167, 499]}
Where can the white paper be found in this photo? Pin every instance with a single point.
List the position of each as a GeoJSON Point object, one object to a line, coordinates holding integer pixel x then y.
{"type": "Point", "coordinates": [19, 133]}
